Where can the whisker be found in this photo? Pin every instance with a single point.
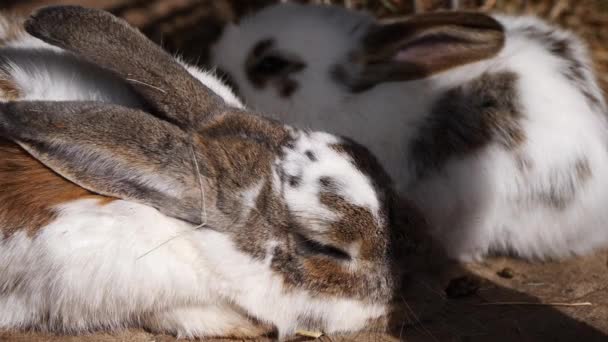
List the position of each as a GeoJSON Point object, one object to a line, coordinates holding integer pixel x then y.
{"type": "Point", "coordinates": [418, 322]}
{"type": "Point", "coordinates": [203, 207]}
{"type": "Point", "coordinates": [146, 84]}
{"type": "Point", "coordinates": [202, 190]}
{"type": "Point", "coordinates": [162, 244]}
{"type": "Point", "coordinates": [430, 288]}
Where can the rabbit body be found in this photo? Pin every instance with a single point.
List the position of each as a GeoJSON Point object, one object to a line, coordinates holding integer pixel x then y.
{"type": "Point", "coordinates": [73, 261]}
{"type": "Point", "coordinates": [503, 153]}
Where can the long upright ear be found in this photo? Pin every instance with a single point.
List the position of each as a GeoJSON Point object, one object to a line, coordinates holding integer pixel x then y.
{"type": "Point", "coordinates": [112, 43]}
{"type": "Point", "coordinates": [109, 150]}
{"type": "Point", "coordinates": [421, 46]}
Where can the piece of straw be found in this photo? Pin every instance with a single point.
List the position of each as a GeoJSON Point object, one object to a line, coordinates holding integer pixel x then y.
{"type": "Point", "coordinates": [537, 304]}
{"type": "Point", "coordinates": [311, 334]}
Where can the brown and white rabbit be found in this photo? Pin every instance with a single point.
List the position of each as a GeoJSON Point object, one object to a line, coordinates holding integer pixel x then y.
{"type": "Point", "coordinates": [181, 213]}
{"type": "Point", "coordinates": [493, 125]}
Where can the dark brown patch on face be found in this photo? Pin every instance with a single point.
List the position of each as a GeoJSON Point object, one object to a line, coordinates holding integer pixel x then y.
{"type": "Point", "coordinates": [29, 191]}
{"type": "Point", "coordinates": [467, 118]}
{"type": "Point", "coordinates": [327, 277]}
{"type": "Point", "coordinates": [267, 67]}
{"type": "Point", "coordinates": [356, 224]}
{"type": "Point", "coordinates": [575, 70]}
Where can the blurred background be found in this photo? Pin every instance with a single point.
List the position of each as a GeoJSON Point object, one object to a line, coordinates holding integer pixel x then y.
{"type": "Point", "coordinates": [188, 27]}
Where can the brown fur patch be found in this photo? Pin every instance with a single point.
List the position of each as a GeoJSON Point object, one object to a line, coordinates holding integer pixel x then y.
{"type": "Point", "coordinates": [29, 191]}
{"type": "Point", "coordinates": [467, 118]}
{"type": "Point", "coordinates": [9, 91]}
{"type": "Point", "coordinates": [239, 150]}
{"type": "Point", "coordinates": [357, 224]}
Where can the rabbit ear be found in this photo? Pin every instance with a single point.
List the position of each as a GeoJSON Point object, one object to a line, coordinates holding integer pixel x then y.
{"type": "Point", "coordinates": [422, 46]}
{"type": "Point", "coordinates": [110, 150]}
{"type": "Point", "coordinates": [112, 43]}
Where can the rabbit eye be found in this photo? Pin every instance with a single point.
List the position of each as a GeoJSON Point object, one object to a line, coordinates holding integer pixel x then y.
{"type": "Point", "coordinates": [307, 246]}
{"type": "Point", "coordinates": [271, 65]}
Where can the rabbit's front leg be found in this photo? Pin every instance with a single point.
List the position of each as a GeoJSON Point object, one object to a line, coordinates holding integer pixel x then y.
{"type": "Point", "coordinates": [204, 321]}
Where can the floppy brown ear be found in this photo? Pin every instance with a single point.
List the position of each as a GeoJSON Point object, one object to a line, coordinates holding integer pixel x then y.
{"type": "Point", "coordinates": [110, 150]}
{"type": "Point", "coordinates": [110, 42]}
{"type": "Point", "coordinates": [421, 46]}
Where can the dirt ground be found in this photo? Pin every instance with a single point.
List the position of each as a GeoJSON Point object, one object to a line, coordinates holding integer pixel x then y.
{"type": "Point", "coordinates": [509, 300]}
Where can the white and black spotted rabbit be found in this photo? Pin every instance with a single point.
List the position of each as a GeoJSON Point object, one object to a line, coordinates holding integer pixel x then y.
{"type": "Point", "coordinates": [99, 199]}
{"type": "Point", "coordinates": [494, 125]}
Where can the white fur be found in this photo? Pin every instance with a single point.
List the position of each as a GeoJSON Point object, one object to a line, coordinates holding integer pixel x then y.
{"type": "Point", "coordinates": [124, 264]}
{"type": "Point", "coordinates": [107, 267]}
{"type": "Point", "coordinates": [347, 179]}
{"type": "Point", "coordinates": [215, 84]}
{"type": "Point", "coordinates": [476, 204]}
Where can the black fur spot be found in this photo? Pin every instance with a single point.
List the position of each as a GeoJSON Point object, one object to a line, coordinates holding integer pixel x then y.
{"type": "Point", "coordinates": [311, 156]}
{"type": "Point", "coordinates": [326, 182]}
{"type": "Point", "coordinates": [295, 181]}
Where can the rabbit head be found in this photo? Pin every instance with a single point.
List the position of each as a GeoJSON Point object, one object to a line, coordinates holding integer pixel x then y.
{"type": "Point", "coordinates": [309, 216]}
{"type": "Point", "coordinates": [324, 55]}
